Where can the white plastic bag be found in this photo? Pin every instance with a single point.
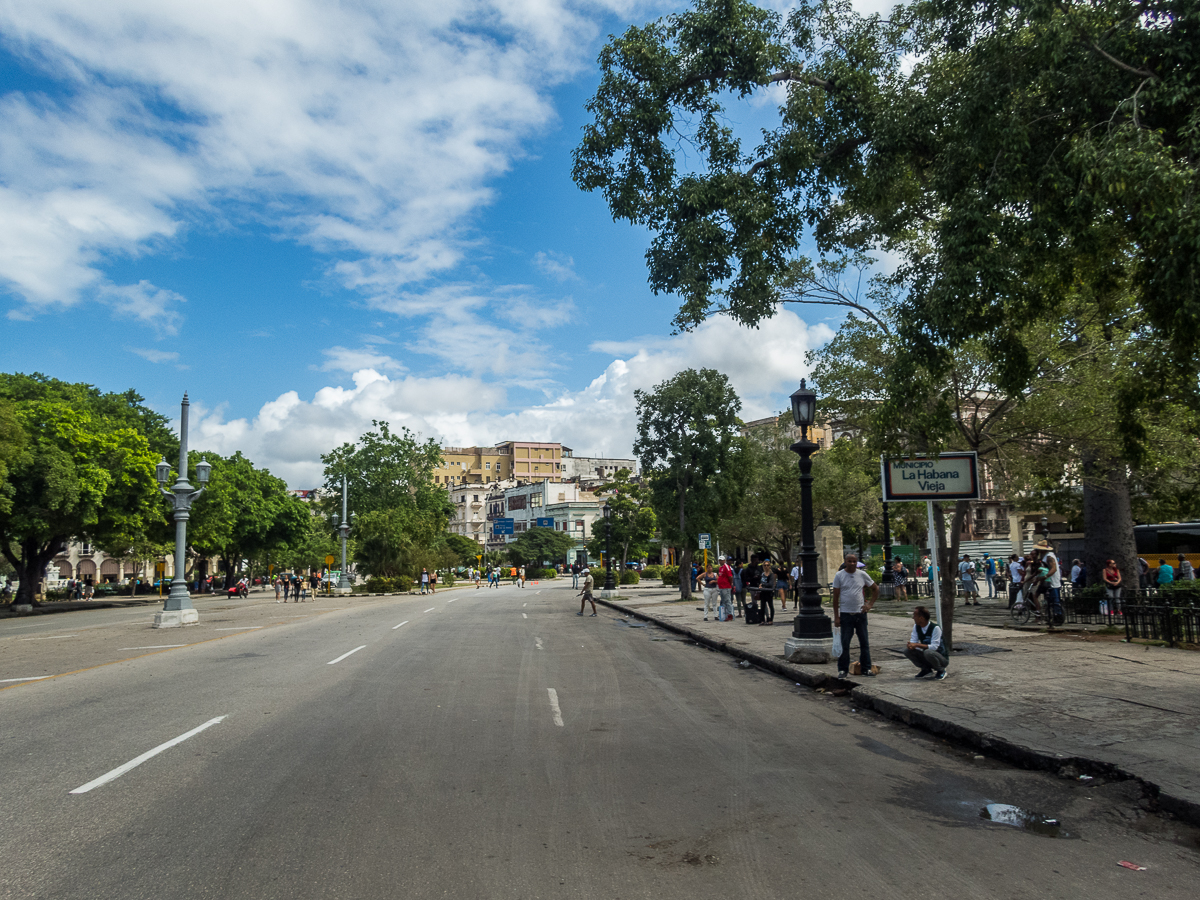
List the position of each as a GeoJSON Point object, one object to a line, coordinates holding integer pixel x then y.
{"type": "Point", "coordinates": [836, 650]}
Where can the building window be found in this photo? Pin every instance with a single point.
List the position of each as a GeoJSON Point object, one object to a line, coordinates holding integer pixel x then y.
{"type": "Point", "coordinates": [487, 466]}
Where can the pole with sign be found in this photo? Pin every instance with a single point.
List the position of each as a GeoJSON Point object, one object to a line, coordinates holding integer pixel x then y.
{"type": "Point", "coordinates": [705, 545]}
{"type": "Point", "coordinates": [951, 476]}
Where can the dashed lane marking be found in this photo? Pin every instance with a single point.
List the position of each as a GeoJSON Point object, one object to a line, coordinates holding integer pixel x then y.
{"type": "Point", "coordinates": [34, 678]}
{"type": "Point", "coordinates": [149, 754]}
{"type": "Point", "coordinates": [405, 622]}
{"type": "Point", "coordinates": [344, 655]}
{"type": "Point", "coordinates": [554, 708]}
{"type": "Point", "coordinates": [152, 647]}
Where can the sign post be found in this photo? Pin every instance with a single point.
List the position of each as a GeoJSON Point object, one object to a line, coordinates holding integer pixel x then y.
{"type": "Point", "coordinates": [951, 476]}
{"type": "Point", "coordinates": [705, 545]}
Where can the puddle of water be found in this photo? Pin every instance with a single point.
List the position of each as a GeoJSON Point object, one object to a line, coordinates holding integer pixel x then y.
{"type": "Point", "coordinates": [1006, 814]}
{"type": "Point", "coordinates": [629, 624]}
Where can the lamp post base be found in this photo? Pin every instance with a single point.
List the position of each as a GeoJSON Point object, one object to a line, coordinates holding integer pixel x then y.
{"type": "Point", "coordinates": [175, 618]}
{"type": "Point", "coordinates": [344, 585]}
{"type": "Point", "coordinates": [608, 595]}
{"type": "Point", "coordinates": [813, 651]}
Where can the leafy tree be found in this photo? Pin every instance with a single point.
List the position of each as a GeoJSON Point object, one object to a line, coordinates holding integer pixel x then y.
{"type": "Point", "coordinates": [81, 469]}
{"type": "Point", "coordinates": [463, 548]}
{"type": "Point", "coordinates": [536, 546]}
{"type": "Point", "coordinates": [768, 516]}
{"type": "Point", "coordinates": [633, 521]}
{"type": "Point", "coordinates": [401, 512]}
{"type": "Point", "coordinates": [244, 513]}
{"type": "Point", "coordinates": [692, 453]}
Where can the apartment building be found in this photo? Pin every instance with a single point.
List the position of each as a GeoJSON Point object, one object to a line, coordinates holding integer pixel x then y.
{"type": "Point", "coordinates": [564, 506]}
{"type": "Point", "coordinates": [594, 469]}
{"type": "Point", "coordinates": [522, 460]}
{"type": "Point", "coordinates": [470, 518]}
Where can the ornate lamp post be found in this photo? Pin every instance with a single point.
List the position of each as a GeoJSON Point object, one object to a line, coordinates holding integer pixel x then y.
{"type": "Point", "coordinates": [177, 609]}
{"type": "Point", "coordinates": [812, 633]}
{"type": "Point", "coordinates": [887, 581]}
{"type": "Point", "coordinates": [345, 585]}
{"type": "Point", "coordinates": [610, 586]}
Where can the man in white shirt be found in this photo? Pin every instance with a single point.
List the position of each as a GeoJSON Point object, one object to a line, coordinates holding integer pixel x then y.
{"type": "Point", "coordinates": [1016, 574]}
{"type": "Point", "coordinates": [925, 647]}
{"type": "Point", "coordinates": [966, 572]}
{"type": "Point", "coordinates": [850, 608]}
{"type": "Point", "coordinates": [1053, 581]}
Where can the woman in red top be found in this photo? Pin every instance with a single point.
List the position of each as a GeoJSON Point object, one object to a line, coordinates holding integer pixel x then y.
{"type": "Point", "coordinates": [1112, 589]}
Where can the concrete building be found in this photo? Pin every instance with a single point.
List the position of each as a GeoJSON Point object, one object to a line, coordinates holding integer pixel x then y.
{"type": "Point", "coordinates": [470, 517]}
{"type": "Point", "coordinates": [527, 460]}
{"type": "Point", "coordinates": [567, 505]}
{"type": "Point", "coordinates": [594, 469]}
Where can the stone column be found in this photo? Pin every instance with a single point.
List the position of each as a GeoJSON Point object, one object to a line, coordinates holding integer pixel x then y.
{"type": "Point", "coordinates": [829, 546]}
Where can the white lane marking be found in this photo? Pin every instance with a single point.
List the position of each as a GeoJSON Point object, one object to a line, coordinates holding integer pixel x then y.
{"type": "Point", "coordinates": [242, 628]}
{"type": "Point", "coordinates": [405, 622]}
{"type": "Point", "coordinates": [538, 641]}
{"type": "Point", "coordinates": [48, 637]}
{"type": "Point", "coordinates": [344, 655]}
{"type": "Point", "coordinates": [537, 592]}
{"type": "Point", "coordinates": [34, 678]}
{"type": "Point", "coordinates": [554, 707]}
{"type": "Point", "coordinates": [523, 605]}
{"type": "Point", "coordinates": [451, 601]}
{"type": "Point", "coordinates": [134, 763]}
{"type": "Point", "coordinates": [431, 609]}
{"type": "Point", "coordinates": [152, 647]}
{"type": "Point", "coordinates": [524, 616]}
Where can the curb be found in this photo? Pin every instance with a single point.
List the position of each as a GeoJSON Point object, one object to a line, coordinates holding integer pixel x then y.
{"type": "Point", "coordinates": [1009, 751]}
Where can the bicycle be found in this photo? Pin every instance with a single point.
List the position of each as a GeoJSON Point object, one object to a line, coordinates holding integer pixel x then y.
{"type": "Point", "coordinates": [1023, 609]}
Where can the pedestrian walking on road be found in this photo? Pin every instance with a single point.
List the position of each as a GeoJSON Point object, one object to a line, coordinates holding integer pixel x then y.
{"type": "Point", "coordinates": [278, 589]}
{"type": "Point", "coordinates": [850, 608]}
{"type": "Point", "coordinates": [475, 575]}
{"type": "Point", "coordinates": [1053, 582]}
{"type": "Point", "coordinates": [925, 647]}
{"type": "Point", "coordinates": [708, 581]}
{"type": "Point", "coordinates": [586, 593]}
{"type": "Point", "coordinates": [575, 576]}
{"type": "Point", "coordinates": [521, 576]}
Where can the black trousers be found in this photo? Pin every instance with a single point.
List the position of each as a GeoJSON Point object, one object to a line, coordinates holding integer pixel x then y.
{"type": "Point", "coordinates": [767, 600]}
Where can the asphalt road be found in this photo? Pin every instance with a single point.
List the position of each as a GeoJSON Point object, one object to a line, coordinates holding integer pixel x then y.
{"type": "Point", "coordinates": [498, 746]}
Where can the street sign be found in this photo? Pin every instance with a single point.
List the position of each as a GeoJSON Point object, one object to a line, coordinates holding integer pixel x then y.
{"type": "Point", "coordinates": [502, 526]}
{"type": "Point", "coordinates": [270, 568]}
{"type": "Point", "coordinates": [952, 476]}
{"type": "Point", "coordinates": [329, 560]}
{"type": "Point", "coordinates": [705, 542]}
{"type": "Point", "coordinates": [160, 567]}
{"type": "Point", "coordinates": [545, 523]}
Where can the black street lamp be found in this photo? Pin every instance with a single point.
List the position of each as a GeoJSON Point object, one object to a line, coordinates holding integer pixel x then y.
{"type": "Point", "coordinates": [888, 580]}
{"type": "Point", "coordinates": [609, 584]}
{"type": "Point", "coordinates": [812, 632]}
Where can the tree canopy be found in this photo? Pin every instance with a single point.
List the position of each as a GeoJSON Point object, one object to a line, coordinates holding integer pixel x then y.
{"type": "Point", "coordinates": [633, 521]}
{"type": "Point", "coordinates": [691, 450]}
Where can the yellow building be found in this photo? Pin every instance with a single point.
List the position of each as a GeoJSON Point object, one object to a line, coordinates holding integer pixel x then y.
{"type": "Point", "coordinates": [522, 460]}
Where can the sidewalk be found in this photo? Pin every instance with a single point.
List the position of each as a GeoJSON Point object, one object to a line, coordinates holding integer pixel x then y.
{"type": "Point", "coordinates": [1080, 704]}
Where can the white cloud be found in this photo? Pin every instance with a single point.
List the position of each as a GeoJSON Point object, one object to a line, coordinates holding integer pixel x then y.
{"type": "Point", "coordinates": [558, 266]}
{"type": "Point", "coordinates": [765, 366]}
{"type": "Point", "coordinates": [343, 359]}
{"type": "Point", "coordinates": [370, 131]}
{"type": "Point", "coordinates": [154, 356]}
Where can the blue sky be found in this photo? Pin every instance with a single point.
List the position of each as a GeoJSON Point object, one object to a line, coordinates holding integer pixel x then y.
{"type": "Point", "coordinates": [311, 215]}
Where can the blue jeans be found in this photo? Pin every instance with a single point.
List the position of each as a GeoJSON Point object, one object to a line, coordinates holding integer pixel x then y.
{"type": "Point", "coordinates": [1054, 598]}
{"type": "Point", "coordinates": [852, 624]}
{"type": "Point", "coordinates": [574, 579]}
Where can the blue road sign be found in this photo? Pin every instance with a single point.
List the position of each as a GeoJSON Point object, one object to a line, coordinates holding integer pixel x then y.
{"type": "Point", "coordinates": [502, 526]}
{"type": "Point", "coordinates": [545, 523]}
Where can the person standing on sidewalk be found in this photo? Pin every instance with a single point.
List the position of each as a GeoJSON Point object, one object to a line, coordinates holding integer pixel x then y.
{"type": "Point", "coordinates": [725, 587]}
{"type": "Point", "coordinates": [1016, 574]}
{"type": "Point", "coordinates": [768, 582]}
{"type": "Point", "coordinates": [739, 587]}
{"type": "Point", "coordinates": [1112, 589]}
{"type": "Point", "coordinates": [586, 593]}
{"type": "Point", "coordinates": [850, 608]}
{"type": "Point", "coordinates": [708, 581]}
{"type": "Point", "coordinates": [424, 580]}
{"type": "Point", "coordinates": [1186, 571]}
{"type": "Point", "coordinates": [925, 648]}
{"type": "Point", "coordinates": [966, 572]}
{"type": "Point", "coordinates": [989, 572]}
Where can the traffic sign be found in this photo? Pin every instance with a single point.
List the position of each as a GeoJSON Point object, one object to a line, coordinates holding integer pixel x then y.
{"type": "Point", "coordinates": [329, 560]}
{"type": "Point", "coordinates": [160, 567]}
{"type": "Point", "coordinates": [545, 523]}
{"type": "Point", "coordinates": [502, 526]}
{"type": "Point", "coordinates": [270, 568]}
{"type": "Point", "coordinates": [705, 542]}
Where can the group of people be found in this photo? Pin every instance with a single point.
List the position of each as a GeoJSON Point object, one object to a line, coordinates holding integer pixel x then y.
{"type": "Point", "coordinates": [1165, 573]}
{"type": "Point", "coordinates": [1037, 579]}
{"type": "Point", "coordinates": [296, 586]}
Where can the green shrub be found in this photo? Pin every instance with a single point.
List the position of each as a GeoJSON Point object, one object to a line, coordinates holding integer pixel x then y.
{"type": "Point", "coordinates": [446, 579]}
{"type": "Point", "coordinates": [630, 577]}
{"type": "Point", "coordinates": [541, 574]}
{"type": "Point", "coordinates": [377, 585]}
{"type": "Point", "coordinates": [652, 572]}
{"type": "Point", "coordinates": [670, 575]}
{"type": "Point", "coordinates": [401, 584]}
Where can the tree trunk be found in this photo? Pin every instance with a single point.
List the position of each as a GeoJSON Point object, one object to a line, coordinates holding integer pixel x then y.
{"type": "Point", "coordinates": [685, 573]}
{"type": "Point", "coordinates": [30, 566]}
{"type": "Point", "coordinates": [1107, 520]}
{"type": "Point", "coordinates": [947, 564]}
